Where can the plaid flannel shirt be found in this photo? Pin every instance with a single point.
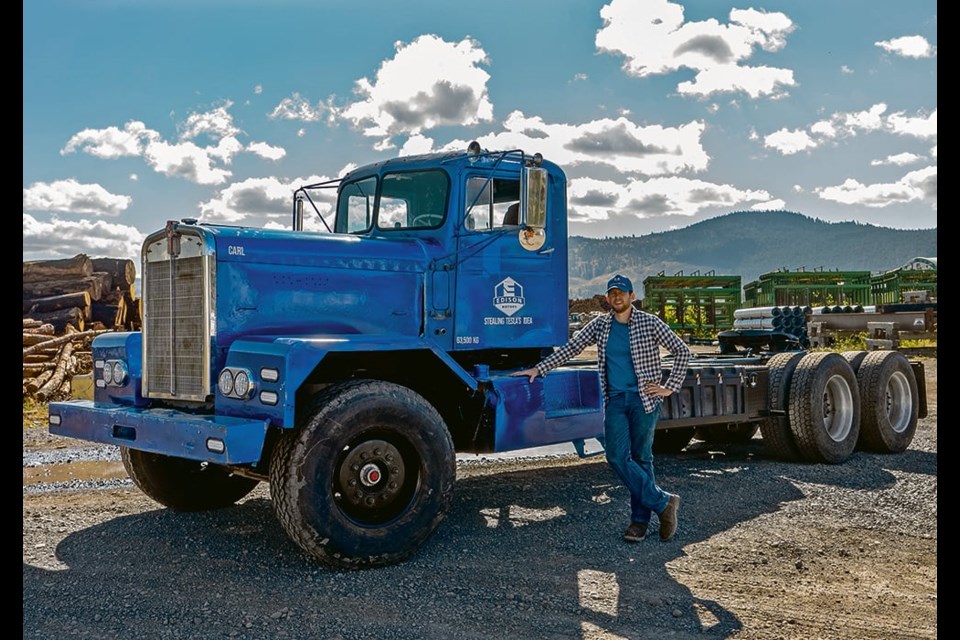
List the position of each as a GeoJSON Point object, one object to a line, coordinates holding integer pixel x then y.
{"type": "Point", "coordinates": [647, 333]}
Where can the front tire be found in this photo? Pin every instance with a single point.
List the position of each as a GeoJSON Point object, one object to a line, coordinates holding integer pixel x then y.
{"type": "Point", "coordinates": [366, 478]}
{"type": "Point", "coordinates": [184, 485]}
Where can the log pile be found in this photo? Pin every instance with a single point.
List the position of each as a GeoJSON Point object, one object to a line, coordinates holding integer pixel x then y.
{"type": "Point", "coordinates": [66, 303]}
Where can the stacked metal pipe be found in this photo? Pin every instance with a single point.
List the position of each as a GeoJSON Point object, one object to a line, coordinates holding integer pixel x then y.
{"type": "Point", "coordinates": [787, 319]}
{"type": "Point", "coordinates": [857, 308]}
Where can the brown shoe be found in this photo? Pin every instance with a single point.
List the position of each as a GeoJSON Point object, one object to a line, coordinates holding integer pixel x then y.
{"type": "Point", "coordinates": [668, 517]}
{"type": "Point", "coordinates": [636, 532]}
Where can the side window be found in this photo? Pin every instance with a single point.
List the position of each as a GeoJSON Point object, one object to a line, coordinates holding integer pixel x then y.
{"type": "Point", "coordinates": [355, 208]}
{"type": "Point", "coordinates": [488, 203]}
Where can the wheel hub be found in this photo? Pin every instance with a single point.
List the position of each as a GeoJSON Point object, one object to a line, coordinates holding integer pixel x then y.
{"type": "Point", "coordinates": [371, 473]}
{"type": "Point", "coordinates": [837, 408]}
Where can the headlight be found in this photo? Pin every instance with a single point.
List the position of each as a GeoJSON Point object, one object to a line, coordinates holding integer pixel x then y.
{"type": "Point", "coordinates": [226, 382]}
{"type": "Point", "coordinates": [119, 373]}
{"type": "Point", "coordinates": [241, 384]}
{"type": "Point", "coordinates": [107, 373]}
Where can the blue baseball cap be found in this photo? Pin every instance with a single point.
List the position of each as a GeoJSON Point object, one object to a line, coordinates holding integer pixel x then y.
{"type": "Point", "coordinates": [620, 282]}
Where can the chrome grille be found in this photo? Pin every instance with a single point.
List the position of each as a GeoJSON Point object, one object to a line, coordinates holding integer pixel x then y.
{"type": "Point", "coordinates": [176, 341]}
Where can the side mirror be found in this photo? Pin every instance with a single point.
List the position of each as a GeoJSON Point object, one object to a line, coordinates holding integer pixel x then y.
{"type": "Point", "coordinates": [533, 207]}
{"type": "Point", "coordinates": [533, 197]}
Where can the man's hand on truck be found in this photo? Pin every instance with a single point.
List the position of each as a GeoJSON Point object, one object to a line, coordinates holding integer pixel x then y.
{"type": "Point", "coordinates": [529, 373]}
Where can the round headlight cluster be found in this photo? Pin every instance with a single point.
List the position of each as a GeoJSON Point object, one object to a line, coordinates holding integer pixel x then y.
{"type": "Point", "coordinates": [235, 382]}
{"type": "Point", "coordinates": [114, 373]}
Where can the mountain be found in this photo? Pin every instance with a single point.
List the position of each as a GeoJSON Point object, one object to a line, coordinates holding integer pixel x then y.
{"type": "Point", "coordinates": [748, 244]}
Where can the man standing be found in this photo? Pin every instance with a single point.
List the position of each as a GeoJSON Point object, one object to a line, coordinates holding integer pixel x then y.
{"type": "Point", "coordinates": [628, 355]}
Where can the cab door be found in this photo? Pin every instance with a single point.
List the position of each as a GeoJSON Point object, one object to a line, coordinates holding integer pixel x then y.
{"type": "Point", "coordinates": [506, 296]}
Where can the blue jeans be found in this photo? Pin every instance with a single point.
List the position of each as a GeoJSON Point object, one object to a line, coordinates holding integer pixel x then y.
{"type": "Point", "coordinates": [628, 433]}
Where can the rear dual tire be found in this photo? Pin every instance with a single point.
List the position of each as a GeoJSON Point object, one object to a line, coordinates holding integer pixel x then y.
{"type": "Point", "coordinates": [775, 429]}
{"type": "Point", "coordinates": [824, 402]}
{"type": "Point", "coordinates": [888, 393]}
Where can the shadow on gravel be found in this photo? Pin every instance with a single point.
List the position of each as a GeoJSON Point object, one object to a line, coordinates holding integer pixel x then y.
{"type": "Point", "coordinates": [525, 554]}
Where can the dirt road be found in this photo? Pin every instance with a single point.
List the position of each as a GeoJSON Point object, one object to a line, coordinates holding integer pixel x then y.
{"type": "Point", "coordinates": [765, 549]}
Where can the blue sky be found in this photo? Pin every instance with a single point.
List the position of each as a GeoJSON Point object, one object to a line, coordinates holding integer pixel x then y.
{"type": "Point", "coordinates": [662, 113]}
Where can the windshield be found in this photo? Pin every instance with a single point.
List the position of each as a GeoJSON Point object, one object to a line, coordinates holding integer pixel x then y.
{"type": "Point", "coordinates": [408, 200]}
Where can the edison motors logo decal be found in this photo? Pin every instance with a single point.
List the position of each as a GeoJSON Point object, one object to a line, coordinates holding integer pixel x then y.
{"type": "Point", "coordinates": [508, 296]}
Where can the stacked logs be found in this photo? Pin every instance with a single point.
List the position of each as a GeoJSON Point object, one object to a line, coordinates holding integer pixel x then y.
{"type": "Point", "coordinates": [50, 362]}
{"type": "Point", "coordinates": [79, 290]}
{"type": "Point", "coordinates": [66, 303]}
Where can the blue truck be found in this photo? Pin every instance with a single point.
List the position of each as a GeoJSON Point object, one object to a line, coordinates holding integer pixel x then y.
{"type": "Point", "coordinates": [346, 367]}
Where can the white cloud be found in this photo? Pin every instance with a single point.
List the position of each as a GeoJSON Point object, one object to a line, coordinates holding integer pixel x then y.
{"type": "Point", "coordinates": [258, 89]}
{"type": "Point", "coordinates": [296, 107]}
{"type": "Point", "coordinates": [897, 159]}
{"type": "Point", "coordinates": [185, 158]}
{"type": "Point", "coordinates": [769, 205]}
{"type": "Point", "coordinates": [189, 161]}
{"type": "Point", "coordinates": [267, 151]}
{"type": "Point", "coordinates": [70, 196]}
{"type": "Point", "coordinates": [921, 127]}
{"type": "Point", "coordinates": [621, 144]}
{"type": "Point", "coordinates": [134, 177]}
{"type": "Point", "coordinates": [257, 201]}
{"type": "Point", "coordinates": [850, 124]}
{"type": "Point", "coordinates": [825, 129]}
{"type": "Point", "coordinates": [579, 76]}
{"type": "Point", "coordinates": [416, 145]}
{"type": "Point", "coordinates": [845, 69]}
{"type": "Point", "coordinates": [111, 142]}
{"type": "Point", "coordinates": [655, 40]}
{"type": "Point", "coordinates": [869, 120]}
{"type": "Point", "coordinates": [66, 238]}
{"type": "Point", "coordinates": [215, 124]}
{"type": "Point", "coordinates": [592, 200]}
{"type": "Point", "coordinates": [789, 142]}
{"type": "Point", "coordinates": [428, 83]}
{"type": "Point", "coordinates": [914, 186]}
{"type": "Point", "coordinates": [908, 47]}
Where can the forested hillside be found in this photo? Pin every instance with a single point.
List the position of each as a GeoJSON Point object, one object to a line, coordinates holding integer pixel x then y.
{"type": "Point", "coordinates": [748, 244]}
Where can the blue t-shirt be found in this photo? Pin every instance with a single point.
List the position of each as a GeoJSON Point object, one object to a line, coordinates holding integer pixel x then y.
{"type": "Point", "coordinates": [620, 374]}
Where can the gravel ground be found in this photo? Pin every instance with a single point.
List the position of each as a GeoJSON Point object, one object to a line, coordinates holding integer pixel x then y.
{"type": "Point", "coordinates": [531, 549]}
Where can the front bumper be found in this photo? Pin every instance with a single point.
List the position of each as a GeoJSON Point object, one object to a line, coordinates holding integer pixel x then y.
{"type": "Point", "coordinates": [217, 439]}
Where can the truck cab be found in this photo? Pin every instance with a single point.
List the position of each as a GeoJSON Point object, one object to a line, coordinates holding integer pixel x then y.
{"type": "Point", "coordinates": [433, 279]}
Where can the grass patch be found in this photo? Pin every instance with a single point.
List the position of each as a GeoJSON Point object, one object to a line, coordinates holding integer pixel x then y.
{"type": "Point", "coordinates": [852, 342]}
{"type": "Point", "coordinates": [34, 414]}
{"type": "Point", "coordinates": [919, 344]}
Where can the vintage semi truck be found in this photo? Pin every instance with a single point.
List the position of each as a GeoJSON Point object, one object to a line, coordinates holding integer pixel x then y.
{"type": "Point", "coordinates": [346, 367]}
